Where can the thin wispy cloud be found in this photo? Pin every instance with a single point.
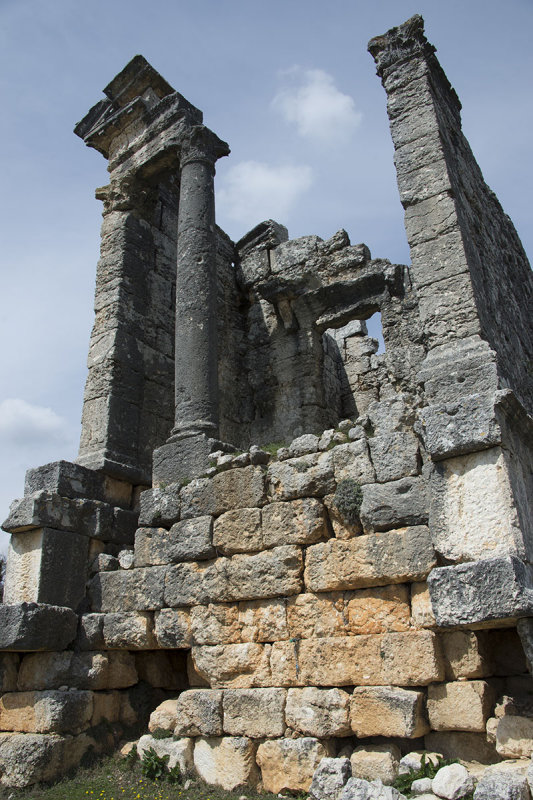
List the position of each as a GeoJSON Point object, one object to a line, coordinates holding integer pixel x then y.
{"type": "Point", "coordinates": [310, 100]}
{"type": "Point", "coordinates": [252, 191]}
{"type": "Point", "coordinates": [24, 424]}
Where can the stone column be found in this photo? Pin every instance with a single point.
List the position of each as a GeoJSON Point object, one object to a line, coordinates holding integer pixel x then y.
{"type": "Point", "coordinates": [196, 361]}
{"type": "Point", "coordinates": [195, 431]}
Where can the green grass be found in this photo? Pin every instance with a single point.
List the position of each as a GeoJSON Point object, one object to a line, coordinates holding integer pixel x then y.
{"type": "Point", "coordinates": [116, 779]}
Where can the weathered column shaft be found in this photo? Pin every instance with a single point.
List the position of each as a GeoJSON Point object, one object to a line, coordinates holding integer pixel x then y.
{"type": "Point", "coordinates": [196, 361]}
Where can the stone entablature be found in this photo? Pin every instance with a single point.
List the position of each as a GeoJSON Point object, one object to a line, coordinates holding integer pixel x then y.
{"type": "Point", "coordinates": [365, 583]}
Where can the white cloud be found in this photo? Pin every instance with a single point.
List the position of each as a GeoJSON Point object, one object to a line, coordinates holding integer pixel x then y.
{"type": "Point", "coordinates": [24, 424]}
{"type": "Point", "coordinates": [313, 103]}
{"type": "Point", "coordinates": [252, 191]}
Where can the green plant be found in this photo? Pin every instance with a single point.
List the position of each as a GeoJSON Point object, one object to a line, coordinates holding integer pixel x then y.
{"type": "Point", "coordinates": [348, 499]}
{"type": "Point", "coordinates": [161, 733]}
{"type": "Point", "coordinates": [174, 774]}
{"type": "Point", "coordinates": [272, 447]}
{"type": "Point", "coordinates": [154, 767]}
{"type": "Point", "coordinates": [300, 466]}
{"type": "Point", "coordinates": [427, 769]}
{"type": "Point", "coordinates": [131, 758]}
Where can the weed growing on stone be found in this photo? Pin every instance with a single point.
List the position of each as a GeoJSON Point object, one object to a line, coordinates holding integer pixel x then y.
{"type": "Point", "coordinates": [427, 769]}
{"type": "Point", "coordinates": [273, 447]}
{"type": "Point", "coordinates": [348, 499]}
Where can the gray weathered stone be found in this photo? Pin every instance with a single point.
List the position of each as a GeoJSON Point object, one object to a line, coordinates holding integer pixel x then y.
{"type": "Point", "coordinates": [160, 507]}
{"type": "Point", "coordinates": [132, 590]}
{"type": "Point", "coordinates": [330, 778]}
{"type": "Point", "coordinates": [502, 785]}
{"type": "Point", "coordinates": [188, 540]}
{"type": "Point", "coordinates": [199, 713]}
{"type": "Point", "coordinates": [65, 479]}
{"type": "Point", "coordinates": [492, 589]}
{"type": "Point", "coordinates": [256, 713]}
{"type": "Point", "coordinates": [390, 505]}
{"type": "Point", "coordinates": [36, 626]}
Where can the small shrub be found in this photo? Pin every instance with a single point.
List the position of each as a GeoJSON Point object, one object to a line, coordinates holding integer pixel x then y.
{"type": "Point", "coordinates": [348, 499]}
{"type": "Point", "coordinates": [427, 770]}
{"type": "Point", "coordinates": [273, 447]}
{"type": "Point", "coordinates": [154, 767]}
{"type": "Point", "coordinates": [161, 733]}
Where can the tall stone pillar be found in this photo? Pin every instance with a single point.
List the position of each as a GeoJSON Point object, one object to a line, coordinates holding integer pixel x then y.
{"type": "Point", "coordinates": [196, 425]}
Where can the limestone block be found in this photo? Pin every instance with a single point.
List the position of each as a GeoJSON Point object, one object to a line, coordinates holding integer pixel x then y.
{"type": "Point", "coordinates": [352, 460]}
{"type": "Point", "coordinates": [173, 628]}
{"type": "Point", "coordinates": [452, 782]}
{"type": "Point", "coordinates": [128, 590]}
{"type": "Point", "coordinates": [263, 621]}
{"type": "Point", "coordinates": [65, 479]}
{"type": "Point", "coordinates": [106, 707]}
{"type": "Point", "coordinates": [129, 631]}
{"type": "Point", "coordinates": [330, 778]}
{"type": "Point", "coordinates": [199, 713]}
{"type": "Point", "coordinates": [472, 746]}
{"type": "Point", "coordinates": [372, 560]}
{"type": "Point", "coordinates": [297, 522]}
{"type": "Point", "coordinates": [472, 513]}
{"type": "Point", "coordinates": [9, 666]}
{"type": "Point", "coordinates": [422, 787]}
{"type": "Point", "coordinates": [48, 510]}
{"type": "Point", "coordinates": [388, 711]}
{"type": "Point", "coordinates": [36, 626]}
{"type": "Point", "coordinates": [316, 615]}
{"type": "Point", "coordinates": [502, 785]}
{"type": "Point", "coordinates": [463, 426]}
{"type": "Point", "coordinates": [460, 705]}
{"type": "Point", "coordinates": [466, 654]}
{"type": "Point", "coordinates": [319, 712]}
{"type": "Point", "coordinates": [289, 764]}
{"type": "Point", "coordinates": [256, 713]}
{"type": "Point", "coordinates": [233, 666]}
{"type": "Point", "coordinates": [45, 566]}
{"type": "Point", "coordinates": [46, 712]}
{"type": "Point", "coordinates": [235, 488]}
{"type": "Point", "coordinates": [378, 761]}
{"type": "Point", "coordinates": [394, 455]}
{"type": "Point", "coordinates": [411, 659]}
{"type": "Point", "coordinates": [514, 737]}
{"type": "Point", "coordinates": [29, 758]}
{"type": "Point", "coordinates": [390, 505]}
{"type": "Point", "coordinates": [238, 531]}
{"type": "Point", "coordinates": [480, 591]}
{"type": "Point", "coordinates": [421, 611]}
{"type": "Point", "coordinates": [377, 610]}
{"type": "Point", "coordinates": [307, 476]}
{"type": "Point", "coordinates": [272, 573]}
{"type": "Point", "coordinates": [159, 506]}
{"type": "Point", "coordinates": [188, 540]}
{"type": "Point", "coordinates": [216, 623]}
{"type": "Point", "coordinates": [91, 670]}
{"type": "Point", "coordinates": [227, 762]}
{"type": "Point", "coordinates": [179, 751]}
{"type": "Point", "coordinates": [164, 717]}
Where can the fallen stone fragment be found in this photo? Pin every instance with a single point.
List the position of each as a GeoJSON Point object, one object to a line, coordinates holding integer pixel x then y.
{"type": "Point", "coordinates": [502, 785]}
{"type": "Point", "coordinates": [452, 782]}
{"type": "Point", "coordinates": [330, 778]}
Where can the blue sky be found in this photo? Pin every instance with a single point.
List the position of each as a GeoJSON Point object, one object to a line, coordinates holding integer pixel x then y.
{"type": "Point", "coordinates": [288, 84]}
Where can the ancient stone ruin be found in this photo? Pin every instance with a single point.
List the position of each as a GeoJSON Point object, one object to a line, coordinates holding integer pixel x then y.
{"type": "Point", "coordinates": [276, 543]}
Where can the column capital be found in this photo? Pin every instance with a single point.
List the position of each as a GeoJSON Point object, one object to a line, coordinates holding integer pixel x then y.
{"type": "Point", "coordinates": [399, 44]}
{"type": "Point", "coordinates": [201, 144]}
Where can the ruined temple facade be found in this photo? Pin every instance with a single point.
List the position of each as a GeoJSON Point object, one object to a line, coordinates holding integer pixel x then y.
{"type": "Point", "coordinates": [366, 583]}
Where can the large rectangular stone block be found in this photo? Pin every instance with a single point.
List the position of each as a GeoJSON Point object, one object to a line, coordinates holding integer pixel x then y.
{"type": "Point", "coordinates": [318, 712]}
{"type": "Point", "coordinates": [481, 591]}
{"type": "Point", "coordinates": [233, 666]}
{"type": "Point", "coordinates": [234, 488]}
{"type": "Point", "coordinates": [227, 761]}
{"type": "Point", "coordinates": [405, 659]}
{"type": "Point", "coordinates": [257, 713]}
{"type": "Point", "coordinates": [132, 630]}
{"type": "Point", "coordinates": [93, 670]}
{"type": "Point", "coordinates": [36, 626]}
{"type": "Point", "coordinates": [128, 590]}
{"type": "Point", "coordinates": [394, 504]}
{"type": "Point", "coordinates": [473, 514]}
{"type": "Point", "coordinates": [199, 713]}
{"type": "Point", "coordinates": [188, 540]}
{"type": "Point", "coordinates": [371, 560]}
{"type": "Point", "coordinates": [263, 620]}
{"type": "Point", "coordinates": [65, 479]}
{"type": "Point", "coordinates": [46, 712]}
{"type": "Point", "coordinates": [215, 623]}
{"type": "Point", "coordinates": [316, 615]}
{"type": "Point", "coordinates": [47, 566]}
{"type": "Point", "coordinates": [272, 573]}
{"type": "Point", "coordinates": [307, 476]}
{"type": "Point", "coordinates": [460, 705]}
{"type": "Point", "coordinates": [238, 531]}
{"type": "Point", "coordinates": [298, 522]}
{"type": "Point", "coordinates": [388, 711]}
{"type": "Point", "coordinates": [377, 610]}
{"type": "Point", "coordinates": [289, 764]}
